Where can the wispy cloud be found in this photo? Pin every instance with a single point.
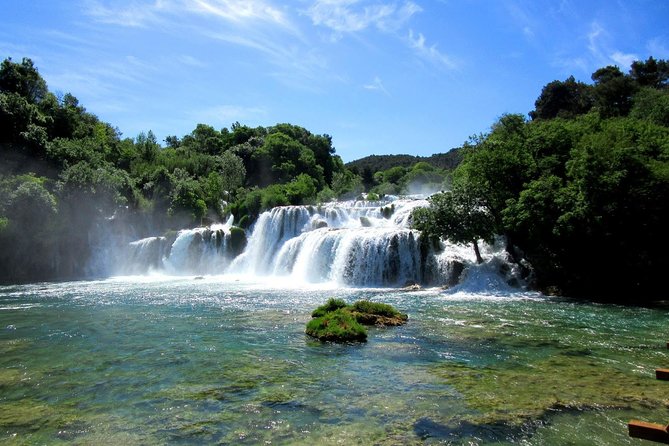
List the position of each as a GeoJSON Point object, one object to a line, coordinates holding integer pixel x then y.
{"type": "Point", "coordinates": [602, 52]}
{"type": "Point", "coordinates": [191, 61]}
{"type": "Point", "coordinates": [224, 115]}
{"type": "Point", "coordinates": [376, 85]}
{"type": "Point", "coordinates": [253, 24]}
{"type": "Point", "coordinates": [523, 19]}
{"type": "Point", "coordinates": [132, 15]}
{"type": "Point", "coordinates": [240, 11]}
{"type": "Point", "coordinates": [594, 37]}
{"type": "Point", "coordinates": [429, 53]}
{"type": "Point", "coordinates": [348, 16]}
{"type": "Point", "coordinates": [623, 60]}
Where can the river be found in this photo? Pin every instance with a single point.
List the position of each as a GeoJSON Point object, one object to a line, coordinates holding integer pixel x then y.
{"type": "Point", "coordinates": [158, 359]}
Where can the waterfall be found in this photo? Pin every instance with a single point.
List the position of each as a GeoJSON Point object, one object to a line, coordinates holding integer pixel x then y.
{"type": "Point", "coordinates": [354, 243]}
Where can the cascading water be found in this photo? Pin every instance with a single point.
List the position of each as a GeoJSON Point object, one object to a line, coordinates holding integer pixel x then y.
{"type": "Point", "coordinates": [356, 243]}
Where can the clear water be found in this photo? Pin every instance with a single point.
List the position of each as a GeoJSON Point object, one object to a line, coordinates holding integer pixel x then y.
{"type": "Point", "coordinates": [222, 361]}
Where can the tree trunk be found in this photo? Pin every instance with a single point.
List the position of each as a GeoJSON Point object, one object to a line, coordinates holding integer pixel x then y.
{"type": "Point", "coordinates": [479, 259]}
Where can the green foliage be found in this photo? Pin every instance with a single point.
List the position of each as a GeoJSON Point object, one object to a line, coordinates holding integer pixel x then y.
{"type": "Point", "coordinates": [377, 308]}
{"type": "Point", "coordinates": [346, 184]}
{"type": "Point", "coordinates": [23, 80]}
{"type": "Point", "coordinates": [380, 163]}
{"type": "Point", "coordinates": [338, 322]}
{"type": "Point", "coordinates": [301, 190]}
{"type": "Point", "coordinates": [237, 240]}
{"type": "Point", "coordinates": [652, 105]}
{"type": "Point", "coordinates": [186, 196]}
{"type": "Point", "coordinates": [273, 196]}
{"type": "Point", "coordinates": [331, 305]}
{"type": "Point", "coordinates": [336, 326]}
{"type": "Point", "coordinates": [564, 99]}
{"type": "Point", "coordinates": [650, 73]}
{"type": "Point", "coordinates": [325, 195]}
{"type": "Point", "coordinates": [233, 172]}
{"type": "Point", "coordinates": [459, 215]}
{"type": "Point", "coordinates": [613, 92]}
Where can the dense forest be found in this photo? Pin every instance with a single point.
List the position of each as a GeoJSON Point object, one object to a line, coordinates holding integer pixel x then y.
{"type": "Point", "coordinates": [70, 183]}
{"type": "Point", "coordinates": [398, 166]}
{"type": "Point", "coordinates": [580, 190]}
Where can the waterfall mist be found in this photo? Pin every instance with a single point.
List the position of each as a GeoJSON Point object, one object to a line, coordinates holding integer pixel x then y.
{"type": "Point", "coordinates": [352, 243]}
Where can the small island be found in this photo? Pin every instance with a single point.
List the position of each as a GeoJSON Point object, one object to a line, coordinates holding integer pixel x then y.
{"type": "Point", "coordinates": [336, 321]}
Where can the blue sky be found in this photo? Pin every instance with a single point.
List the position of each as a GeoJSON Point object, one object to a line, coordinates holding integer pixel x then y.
{"type": "Point", "coordinates": [380, 76]}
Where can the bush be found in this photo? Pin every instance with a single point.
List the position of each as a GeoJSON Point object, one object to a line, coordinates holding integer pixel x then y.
{"type": "Point", "coordinates": [331, 305]}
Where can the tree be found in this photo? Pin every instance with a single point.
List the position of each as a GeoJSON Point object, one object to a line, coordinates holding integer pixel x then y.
{"type": "Point", "coordinates": [651, 73]}
{"type": "Point", "coordinates": [565, 99]}
{"type": "Point", "coordinates": [22, 79]}
{"type": "Point", "coordinates": [613, 92]}
{"type": "Point", "coordinates": [204, 139]}
{"type": "Point", "coordinates": [459, 216]}
{"type": "Point", "coordinates": [233, 172]}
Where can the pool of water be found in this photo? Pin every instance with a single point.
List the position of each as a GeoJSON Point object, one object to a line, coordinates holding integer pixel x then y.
{"type": "Point", "coordinates": [222, 361]}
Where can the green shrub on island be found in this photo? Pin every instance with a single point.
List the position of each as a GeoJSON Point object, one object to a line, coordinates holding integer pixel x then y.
{"type": "Point", "coordinates": [338, 322]}
{"type": "Point", "coordinates": [336, 326]}
{"type": "Point", "coordinates": [376, 313]}
{"type": "Point", "coordinates": [331, 305]}
{"type": "Point", "coordinates": [366, 306]}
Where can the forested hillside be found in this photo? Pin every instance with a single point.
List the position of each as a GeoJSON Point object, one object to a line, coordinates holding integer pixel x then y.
{"type": "Point", "coordinates": [69, 180]}
{"type": "Point", "coordinates": [581, 190]}
{"type": "Point", "coordinates": [377, 163]}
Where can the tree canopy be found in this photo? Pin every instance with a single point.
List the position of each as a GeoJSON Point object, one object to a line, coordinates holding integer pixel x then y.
{"type": "Point", "coordinates": [580, 190]}
{"type": "Point", "coordinates": [63, 163]}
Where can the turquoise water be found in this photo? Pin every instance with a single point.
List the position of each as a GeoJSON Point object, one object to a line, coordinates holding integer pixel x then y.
{"type": "Point", "coordinates": [213, 361]}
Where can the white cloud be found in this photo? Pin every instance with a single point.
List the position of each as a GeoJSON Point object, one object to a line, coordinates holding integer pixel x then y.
{"type": "Point", "coordinates": [253, 24]}
{"type": "Point", "coordinates": [131, 15]}
{"type": "Point", "coordinates": [624, 61]}
{"type": "Point", "coordinates": [594, 36]}
{"type": "Point", "coordinates": [348, 16]}
{"type": "Point", "coordinates": [377, 85]}
{"type": "Point", "coordinates": [239, 11]}
{"type": "Point", "coordinates": [429, 53]}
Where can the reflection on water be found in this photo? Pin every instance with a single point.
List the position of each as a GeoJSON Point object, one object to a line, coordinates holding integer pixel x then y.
{"type": "Point", "coordinates": [224, 360]}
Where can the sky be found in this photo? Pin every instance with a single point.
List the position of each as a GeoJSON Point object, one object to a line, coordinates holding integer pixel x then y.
{"type": "Point", "coordinates": [381, 77]}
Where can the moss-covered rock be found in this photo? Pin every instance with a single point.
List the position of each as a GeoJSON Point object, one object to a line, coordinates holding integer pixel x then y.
{"type": "Point", "coordinates": [336, 326]}
{"type": "Point", "coordinates": [331, 305]}
{"type": "Point", "coordinates": [376, 313]}
{"type": "Point", "coordinates": [365, 222]}
{"type": "Point", "coordinates": [238, 240]}
{"type": "Point", "coordinates": [338, 322]}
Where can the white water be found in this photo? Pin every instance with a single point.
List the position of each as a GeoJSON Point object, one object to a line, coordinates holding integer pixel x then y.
{"type": "Point", "coordinates": [357, 243]}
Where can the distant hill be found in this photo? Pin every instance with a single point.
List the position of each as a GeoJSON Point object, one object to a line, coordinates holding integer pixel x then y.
{"type": "Point", "coordinates": [376, 163]}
